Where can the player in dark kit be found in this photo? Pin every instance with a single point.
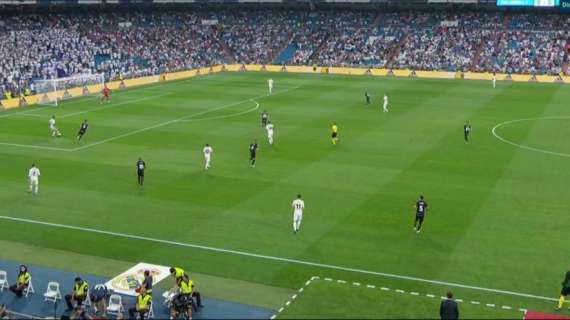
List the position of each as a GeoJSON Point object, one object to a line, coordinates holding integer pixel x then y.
{"type": "Point", "coordinates": [253, 153]}
{"type": "Point", "coordinates": [264, 119]}
{"type": "Point", "coordinates": [141, 165]}
{"type": "Point", "coordinates": [367, 96]}
{"type": "Point", "coordinates": [421, 208]}
{"type": "Point", "coordinates": [466, 131]}
{"type": "Point", "coordinates": [82, 129]}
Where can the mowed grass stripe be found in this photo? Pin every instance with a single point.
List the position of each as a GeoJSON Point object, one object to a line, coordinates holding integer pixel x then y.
{"type": "Point", "coordinates": [236, 207]}
{"type": "Point", "coordinates": [518, 207]}
{"type": "Point", "coordinates": [382, 216]}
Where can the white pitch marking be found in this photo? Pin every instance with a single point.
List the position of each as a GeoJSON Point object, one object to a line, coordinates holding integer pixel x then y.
{"type": "Point", "coordinates": [301, 290]}
{"type": "Point", "coordinates": [494, 131]}
{"type": "Point", "coordinates": [490, 305]}
{"type": "Point", "coordinates": [169, 122]}
{"type": "Point", "coordinates": [523, 310]}
{"type": "Point", "coordinates": [475, 302]}
{"type": "Point", "coordinates": [273, 317]}
{"type": "Point", "coordinates": [356, 284]}
{"type": "Point", "coordinates": [224, 116]}
{"type": "Point", "coordinates": [281, 309]}
{"type": "Point", "coordinates": [273, 258]}
{"type": "Point", "coordinates": [287, 303]}
{"type": "Point", "coordinates": [506, 307]}
{"type": "Point", "coordinates": [371, 286]}
{"type": "Point", "coordinates": [76, 100]}
{"type": "Point", "coordinates": [459, 300]}
{"type": "Point", "coordinates": [111, 106]}
{"type": "Point", "coordinates": [328, 279]}
{"type": "Point", "coordinates": [400, 291]}
{"type": "Point", "coordinates": [414, 293]}
{"type": "Point", "coordinates": [341, 281]}
{"type": "Point", "coordinates": [31, 146]}
{"type": "Point", "coordinates": [430, 295]}
{"type": "Point", "coordinates": [385, 289]}
{"type": "Point", "coordinates": [22, 114]}
{"type": "Point", "coordinates": [294, 297]}
{"type": "Point", "coordinates": [308, 283]}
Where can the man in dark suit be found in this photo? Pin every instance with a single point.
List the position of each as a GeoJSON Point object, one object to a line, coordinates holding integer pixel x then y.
{"type": "Point", "coordinates": [448, 309]}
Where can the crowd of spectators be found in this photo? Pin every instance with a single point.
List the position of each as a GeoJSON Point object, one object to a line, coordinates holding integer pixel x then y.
{"type": "Point", "coordinates": [131, 44]}
{"type": "Point", "coordinates": [257, 37]}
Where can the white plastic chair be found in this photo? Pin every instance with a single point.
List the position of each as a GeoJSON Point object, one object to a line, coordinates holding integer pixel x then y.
{"type": "Point", "coordinates": [87, 301]}
{"type": "Point", "coordinates": [151, 311]}
{"type": "Point", "coordinates": [52, 292]}
{"type": "Point", "coordinates": [115, 304]}
{"type": "Point", "coordinates": [29, 289]}
{"type": "Point", "coordinates": [3, 281]}
{"type": "Point", "coordinates": [168, 296]}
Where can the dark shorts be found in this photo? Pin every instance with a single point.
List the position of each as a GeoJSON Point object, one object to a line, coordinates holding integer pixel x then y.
{"type": "Point", "coordinates": [565, 291]}
{"type": "Point", "coordinates": [252, 156]}
{"type": "Point", "coordinates": [81, 132]}
{"type": "Point", "coordinates": [420, 217]}
{"type": "Point", "coordinates": [140, 172]}
{"type": "Point", "coordinates": [334, 134]}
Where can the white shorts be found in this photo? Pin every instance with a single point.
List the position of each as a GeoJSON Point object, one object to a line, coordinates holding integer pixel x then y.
{"type": "Point", "coordinates": [270, 135]}
{"type": "Point", "coordinates": [52, 128]}
{"type": "Point", "coordinates": [34, 182]}
{"type": "Point", "coordinates": [207, 158]}
{"type": "Point", "coordinates": [297, 216]}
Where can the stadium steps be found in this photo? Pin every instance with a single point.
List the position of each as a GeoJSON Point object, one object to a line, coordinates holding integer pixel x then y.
{"type": "Point", "coordinates": [286, 54]}
{"type": "Point", "coordinates": [322, 45]}
{"type": "Point", "coordinates": [477, 56]}
{"type": "Point", "coordinates": [396, 51]}
{"type": "Point", "coordinates": [277, 53]}
{"type": "Point", "coordinates": [227, 51]}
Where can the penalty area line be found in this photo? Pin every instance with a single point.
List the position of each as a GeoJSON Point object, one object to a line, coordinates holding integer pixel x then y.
{"type": "Point", "coordinates": [31, 146]}
{"type": "Point", "coordinates": [180, 119]}
{"type": "Point", "coordinates": [274, 258]}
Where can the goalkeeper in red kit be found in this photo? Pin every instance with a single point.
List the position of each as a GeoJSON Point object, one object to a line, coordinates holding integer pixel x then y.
{"type": "Point", "coordinates": [105, 94]}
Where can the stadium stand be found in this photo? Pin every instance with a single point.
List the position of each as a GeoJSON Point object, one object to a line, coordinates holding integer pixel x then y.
{"type": "Point", "coordinates": [132, 44]}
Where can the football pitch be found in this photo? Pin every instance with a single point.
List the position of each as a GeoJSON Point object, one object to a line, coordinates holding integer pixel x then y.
{"type": "Point", "coordinates": [496, 231]}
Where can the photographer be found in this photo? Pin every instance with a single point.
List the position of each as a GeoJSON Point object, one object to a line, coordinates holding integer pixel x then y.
{"type": "Point", "coordinates": [142, 306]}
{"type": "Point", "coordinates": [181, 305]}
{"type": "Point", "coordinates": [22, 281]}
{"type": "Point", "coordinates": [98, 297]}
{"type": "Point", "coordinates": [80, 290]}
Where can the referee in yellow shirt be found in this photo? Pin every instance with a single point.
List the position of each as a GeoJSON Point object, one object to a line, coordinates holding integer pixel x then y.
{"type": "Point", "coordinates": [334, 133]}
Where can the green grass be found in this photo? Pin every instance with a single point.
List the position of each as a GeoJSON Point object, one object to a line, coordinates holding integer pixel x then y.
{"type": "Point", "coordinates": [497, 219]}
{"type": "Point", "coordinates": [348, 301]}
{"type": "Point", "coordinates": [210, 286]}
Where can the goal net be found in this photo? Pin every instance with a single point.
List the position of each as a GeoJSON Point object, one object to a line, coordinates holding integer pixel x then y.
{"type": "Point", "coordinates": [52, 91]}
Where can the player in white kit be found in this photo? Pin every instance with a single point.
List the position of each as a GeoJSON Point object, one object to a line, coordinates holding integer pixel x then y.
{"type": "Point", "coordinates": [298, 207]}
{"type": "Point", "coordinates": [54, 130]}
{"type": "Point", "coordinates": [270, 85]}
{"type": "Point", "coordinates": [208, 151]}
{"type": "Point", "coordinates": [269, 129]}
{"type": "Point", "coordinates": [34, 179]}
{"type": "Point", "coordinates": [494, 80]}
{"type": "Point", "coordinates": [385, 108]}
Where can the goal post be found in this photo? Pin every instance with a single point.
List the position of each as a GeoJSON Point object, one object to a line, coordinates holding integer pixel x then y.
{"type": "Point", "coordinates": [52, 91]}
